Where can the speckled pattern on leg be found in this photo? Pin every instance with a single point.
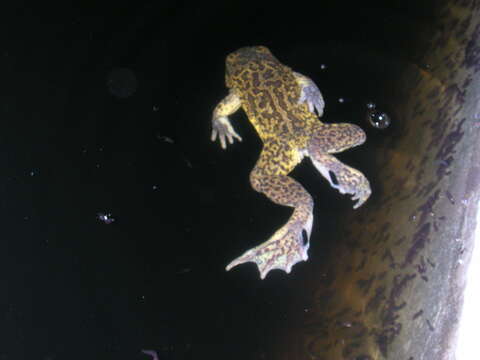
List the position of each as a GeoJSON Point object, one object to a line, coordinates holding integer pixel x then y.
{"type": "Point", "coordinates": [286, 247]}
{"type": "Point", "coordinates": [335, 138]}
{"type": "Point", "coordinates": [347, 179]}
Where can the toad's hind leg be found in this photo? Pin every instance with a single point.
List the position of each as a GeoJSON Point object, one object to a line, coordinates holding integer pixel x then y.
{"type": "Point", "coordinates": [334, 138]}
{"type": "Point", "coordinates": [286, 247]}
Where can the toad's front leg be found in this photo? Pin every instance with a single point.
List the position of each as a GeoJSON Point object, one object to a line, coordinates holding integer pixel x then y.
{"type": "Point", "coordinates": [287, 246]}
{"type": "Point", "coordinates": [221, 126]}
{"type": "Point", "coordinates": [310, 94]}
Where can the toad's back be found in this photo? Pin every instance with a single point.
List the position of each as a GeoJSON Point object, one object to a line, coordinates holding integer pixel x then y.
{"type": "Point", "coordinates": [269, 95]}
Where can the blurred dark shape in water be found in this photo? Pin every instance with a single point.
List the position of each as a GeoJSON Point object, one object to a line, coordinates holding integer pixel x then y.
{"type": "Point", "coordinates": [122, 82]}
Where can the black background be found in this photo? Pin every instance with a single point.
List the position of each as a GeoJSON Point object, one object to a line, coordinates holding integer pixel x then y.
{"type": "Point", "coordinates": [79, 135]}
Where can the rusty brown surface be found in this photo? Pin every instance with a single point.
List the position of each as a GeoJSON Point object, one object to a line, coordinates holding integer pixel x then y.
{"type": "Point", "coordinates": [393, 289]}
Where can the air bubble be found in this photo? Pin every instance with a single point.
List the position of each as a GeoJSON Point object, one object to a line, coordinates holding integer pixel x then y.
{"type": "Point", "coordinates": [377, 119]}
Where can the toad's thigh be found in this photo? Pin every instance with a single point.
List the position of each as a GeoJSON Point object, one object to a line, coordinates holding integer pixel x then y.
{"type": "Point", "coordinates": [277, 158]}
{"type": "Point", "coordinates": [334, 138]}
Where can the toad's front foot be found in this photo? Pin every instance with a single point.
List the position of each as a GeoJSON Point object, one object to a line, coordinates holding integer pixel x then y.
{"type": "Point", "coordinates": [310, 94]}
{"type": "Point", "coordinates": [283, 250]}
{"type": "Point", "coordinates": [221, 126]}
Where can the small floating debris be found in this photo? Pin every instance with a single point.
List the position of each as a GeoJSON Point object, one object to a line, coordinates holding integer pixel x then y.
{"type": "Point", "coordinates": [165, 139]}
{"type": "Point", "coordinates": [184, 271]}
{"type": "Point", "coordinates": [151, 353]}
{"type": "Point", "coordinates": [106, 218]}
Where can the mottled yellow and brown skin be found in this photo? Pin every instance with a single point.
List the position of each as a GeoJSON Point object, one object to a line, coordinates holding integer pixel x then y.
{"type": "Point", "coordinates": [279, 103]}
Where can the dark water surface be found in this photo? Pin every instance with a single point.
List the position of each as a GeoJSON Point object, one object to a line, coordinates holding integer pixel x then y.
{"type": "Point", "coordinates": [106, 109]}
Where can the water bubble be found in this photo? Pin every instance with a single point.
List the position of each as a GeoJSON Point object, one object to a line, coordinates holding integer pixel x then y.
{"type": "Point", "coordinates": [377, 119]}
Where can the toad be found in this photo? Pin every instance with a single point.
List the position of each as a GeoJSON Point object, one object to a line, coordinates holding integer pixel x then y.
{"type": "Point", "coordinates": [281, 105]}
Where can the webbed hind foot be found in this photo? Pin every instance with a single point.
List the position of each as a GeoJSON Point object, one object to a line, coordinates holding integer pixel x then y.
{"type": "Point", "coordinates": [283, 250]}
